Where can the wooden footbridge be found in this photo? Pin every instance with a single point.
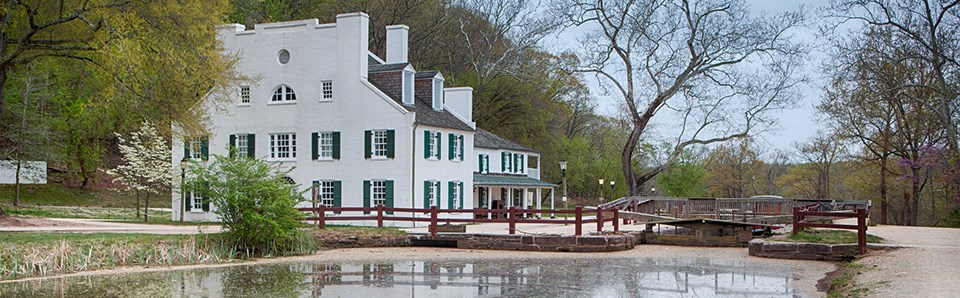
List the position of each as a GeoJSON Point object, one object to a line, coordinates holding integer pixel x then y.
{"type": "Point", "coordinates": [760, 209]}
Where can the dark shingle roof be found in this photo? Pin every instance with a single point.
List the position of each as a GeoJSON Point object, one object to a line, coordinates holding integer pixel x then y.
{"type": "Point", "coordinates": [486, 139]}
{"type": "Point", "coordinates": [508, 180]}
{"type": "Point", "coordinates": [426, 74]}
{"type": "Point", "coordinates": [386, 67]}
{"type": "Point", "coordinates": [426, 115]}
{"type": "Point", "coordinates": [372, 61]}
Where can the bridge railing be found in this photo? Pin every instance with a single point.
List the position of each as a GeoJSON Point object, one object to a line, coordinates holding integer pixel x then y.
{"type": "Point", "coordinates": [321, 215]}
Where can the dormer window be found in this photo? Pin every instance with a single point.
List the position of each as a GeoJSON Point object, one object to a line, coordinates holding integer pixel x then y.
{"type": "Point", "coordinates": [408, 79]}
{"type": "Point", "coordinates": [438, 91]}
{"type": "Point", "coordinates": [283, 93]}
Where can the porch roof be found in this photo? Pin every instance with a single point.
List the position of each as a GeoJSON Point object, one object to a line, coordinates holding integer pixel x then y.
{"type": "Point", "coordinates": [509, 180]}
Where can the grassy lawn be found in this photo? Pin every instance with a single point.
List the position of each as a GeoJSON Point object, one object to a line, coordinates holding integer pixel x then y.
{"type": "Point", "coordinates": [829, 237]}
{"type": "Point", "coordinates": [119, 214]}
{"type": "Point", "coordinates": [56, 194]}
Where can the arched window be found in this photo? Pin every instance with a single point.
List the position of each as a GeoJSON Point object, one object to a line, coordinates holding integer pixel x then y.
{"type": "Point", "coordinates": [283, 93]}
{"type": "Point", "coordinates": [288, 180]}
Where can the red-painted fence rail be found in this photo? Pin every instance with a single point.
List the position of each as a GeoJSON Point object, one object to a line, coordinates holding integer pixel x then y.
{"type": "Point", "coordinates": [800, 222]}
{"type": "Point", "coordinates": [322, 215]}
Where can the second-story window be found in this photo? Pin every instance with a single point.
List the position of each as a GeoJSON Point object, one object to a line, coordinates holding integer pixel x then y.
{"type": "Point", "coordinates": [326, 145]}
{"type": "Point", "coordinates": [327, 90]}
{"type": "Point", "coordinates": [380, 143]}
{"type": "Point", "coordinates": [283, 146]}
{"type": "Point", "coordinates": [244, 94]}
{"type": "Point", "coordinates": [283, 93]}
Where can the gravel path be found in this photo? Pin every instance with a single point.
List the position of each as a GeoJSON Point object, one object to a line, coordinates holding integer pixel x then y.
{"type": "Point", "coordinates": [927, 267]}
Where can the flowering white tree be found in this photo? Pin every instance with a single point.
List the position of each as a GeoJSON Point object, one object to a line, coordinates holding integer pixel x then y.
{"type": "Point", "coordinates": [146, 169]}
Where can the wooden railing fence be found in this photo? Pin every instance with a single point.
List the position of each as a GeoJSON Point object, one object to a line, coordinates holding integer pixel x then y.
{"type": "Point", "coordinates": [800, 222]}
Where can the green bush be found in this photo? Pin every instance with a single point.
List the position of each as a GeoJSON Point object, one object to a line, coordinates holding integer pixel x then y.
{"type": "Point", "coordinates": [256, 205]}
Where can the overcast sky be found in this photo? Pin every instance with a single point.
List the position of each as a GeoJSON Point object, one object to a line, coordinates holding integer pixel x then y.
{"type": "Point", "coordinates": [796, 125]}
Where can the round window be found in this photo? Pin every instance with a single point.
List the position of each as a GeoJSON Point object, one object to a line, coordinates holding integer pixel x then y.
{"type": "Point", "coordinates": [284, 56]}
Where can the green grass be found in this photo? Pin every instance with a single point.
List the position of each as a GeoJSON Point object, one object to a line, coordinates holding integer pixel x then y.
{"type": "Point", "coordinates": [842, 284]}
{"type": "Point", "coordinates": [119, 214]}
{"type": "Point", "coordinates": [829, 237]}
{"type": "Point", "coordinates": [57, 194]}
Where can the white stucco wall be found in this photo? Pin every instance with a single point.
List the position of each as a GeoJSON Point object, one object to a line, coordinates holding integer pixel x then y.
{"type": "Point", "coordinates": [31, 172]}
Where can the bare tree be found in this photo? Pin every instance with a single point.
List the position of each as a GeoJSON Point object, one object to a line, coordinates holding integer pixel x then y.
{"type": "Point", "coordinates": [930, 26]}
{"type": "Point", "coordinates": [820, 153]}
{"type": "Point", "coordinates": [707, 63]}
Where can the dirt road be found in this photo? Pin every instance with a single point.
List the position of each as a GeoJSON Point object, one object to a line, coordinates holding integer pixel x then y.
{"type": "Point", "coordinates": [72, 225]}
{"type": "Point", "coordinates": [927, 267]}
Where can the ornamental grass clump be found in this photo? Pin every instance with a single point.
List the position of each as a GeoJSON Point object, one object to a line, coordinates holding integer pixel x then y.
{"type": "Point", "coordinates": [256, 204]}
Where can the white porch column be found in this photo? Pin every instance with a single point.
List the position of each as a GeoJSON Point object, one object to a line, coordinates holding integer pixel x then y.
{"type": "Point", "coordinates": [489, 201]}
{"type": "Point", "coordinates": [537, 198]}
{"type": "Point", "coordinates": [552, 203]}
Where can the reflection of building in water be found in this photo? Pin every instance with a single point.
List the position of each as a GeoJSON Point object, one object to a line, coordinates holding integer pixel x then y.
{"type": "Point", "coordinates": [629, 277]}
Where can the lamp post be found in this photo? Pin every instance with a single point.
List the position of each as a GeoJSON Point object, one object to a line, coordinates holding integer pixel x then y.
{"type": "Point", "coordinates": [600, 199]}
{"type": "Point", "coordinates": [563, 170]}
{"type": "Point", "coordinates": [612, 182]}
{"type": "Point", "coordinates": [653, 191]}
{"type": "Point", "coordinates": [183, 182]}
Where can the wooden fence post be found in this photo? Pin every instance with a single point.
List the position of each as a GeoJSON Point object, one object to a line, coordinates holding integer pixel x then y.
{"type": "Point", "coordinates": [433, 221]}
{"type": "Point", "coordinates": [380, 215]}
{"type": "Point", "coordinates": [861, 231]}
{"type": "Point", "coordinates": [513, 220]}
{"type": "Point", "coordinates": [321, 217]}
{"type": "Point", "coordinates": [616, 220]}
{"type": "Point", "coordinates": [796, 220]}
{"type": "Point", "coordinates": [579, 220]}
{"type": "Point", "coordinates": [599, 219]}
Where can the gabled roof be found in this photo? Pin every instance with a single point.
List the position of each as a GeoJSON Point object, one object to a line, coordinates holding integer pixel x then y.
{"type": "Point", "coordinates": [427, 74]}
{"type": "Point", "coordinates": [486, 139]}
{"type": "Point", "coordinates": [386, 67]}
{"type": "Point", "coordinates": [426, 115]}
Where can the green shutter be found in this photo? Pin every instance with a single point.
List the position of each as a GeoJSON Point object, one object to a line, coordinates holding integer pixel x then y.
{"type": "Point", "coordinates": [523, 164]}
{"type": "Point", "coordinates": [460, 140]}
{"type": "Point", "coordinates": [426, 194]}
{"type": "Point", "coordinates": [188, 201]}
{"type": "Point", "coordinates": [391, 137]}
{"type": "Point", "coordinates": [337, 194]}
{"type": "Point", "coordinates": [366, 143]}
{"type": "Point", "coordinates": [503, 162]}
{"type": "Point", "coordinates": [426, 143]}
{"type": "Point", "coordinates": [204, 148]}
{"type": "Point", "coordinates": [366, 195]}
{"type": "Point", "coordinates": [450, 140]}
{"type": "Point", "coordinates": [515, 158]}
{"type": "Point", "coordinates": [314, 139]}
{"type": "Point", "coordinates": [336, 145]}
{"type": "Point", "coordinates": [436, 192]}
{"type": "Point", "coordinates": [450, 194]}
{"type": "Point", "coordinates": [461, 194]}
{"type": "Point", "coordinates": [481, 164]}
{"type": "Point", "coordinates": [186, 148]}
{"type": "Point", "coordinates": [486, 164]}
{"type": "Point", "coordinates": [205, 203]}
{"type": "Point", "coordinates": [251, 145]}
{"type": "Point", "coordinates": [233, 144]}
{"type": "Point", "coordinates": [389, 200]}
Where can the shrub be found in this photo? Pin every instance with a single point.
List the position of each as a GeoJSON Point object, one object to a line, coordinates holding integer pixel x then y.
{"type": "Point", "coordinates": [257, 207]}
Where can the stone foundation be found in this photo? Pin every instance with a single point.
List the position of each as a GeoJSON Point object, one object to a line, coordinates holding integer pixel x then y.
{"type": "Point", "coordinates": [550, 243]}
{"type": "Point", "coordinates": [802, 251]}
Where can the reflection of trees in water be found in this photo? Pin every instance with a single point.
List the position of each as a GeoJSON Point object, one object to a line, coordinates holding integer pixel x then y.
{"type": "Point", "coordinates": [531, 277]}
{"type": "Point", "coordinates": [621, 277]}
{"type": "Point", "coordinates": [263, 281]}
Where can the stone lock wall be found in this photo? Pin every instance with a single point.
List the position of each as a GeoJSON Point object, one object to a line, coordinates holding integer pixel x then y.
{"type": "Point", "coordinates": [802, 251]}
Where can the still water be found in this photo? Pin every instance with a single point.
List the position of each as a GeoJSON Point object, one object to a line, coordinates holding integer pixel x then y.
{"type": "Point", "coordinates": [614, 277]}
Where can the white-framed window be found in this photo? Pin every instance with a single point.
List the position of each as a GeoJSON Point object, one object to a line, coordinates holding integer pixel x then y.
{"type": "Point", "coordinates": [195, 200]}
{"type": "Point", "coordinates": [326, 193]}
{"type": "Point", "coordinates": [378, 192]}
{"type": "Point", "coordinates": [435, 145]}
{"type": "Point", "coordinates": [326, 145]}
{"type": "Point", "coordinates": [509, 161]}
{"type": "Point", "coordinates": [283, 93]}
{"type": "Point", "coordinates": [195, 148]}
{"type": "Point", "coordinates": [327, 89]}
{"type": "Point", "coordinates": [408, 82]}
{"type": "Point", "coordinates": [242, 144]}
{"type": "Point", "coordinates": [244, 94]}
{"type": "Point", "coordinates": [379, 143]}
{"type": "Point", "coordinates": [438, 90]}
{"type": "Point", "coordinates": [456, 147]}
{"type": "Point", "coordinates": [431, 193]}
{"type": "Point", "coordinates": [533, 162]}
{"type": "Point", "coordinates": [283, 146]}
{"type": "Point", "coordinates": [455, 192]}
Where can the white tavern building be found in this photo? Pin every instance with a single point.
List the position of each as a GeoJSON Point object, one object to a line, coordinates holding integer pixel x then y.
{"type": "Point", "coordinates": [356, 129]}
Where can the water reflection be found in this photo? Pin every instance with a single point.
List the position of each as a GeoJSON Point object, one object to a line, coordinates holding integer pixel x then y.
{"type": "Point", "coordinates": [442, 278]}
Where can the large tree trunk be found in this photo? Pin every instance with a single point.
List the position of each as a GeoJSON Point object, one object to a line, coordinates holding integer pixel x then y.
{"type": "Point", "coordinates": [915, 193]}
{"type": "Point", "coordinates": [138, 203]}
{"type": "Point", "coordinates": [3, 80]}
{"type": "Point", "coordinates": [905, 214]}
{"type": "Point", "coordinates": [634, 186]}
{"type": "Point", "coordinates": [146, 206]}
{"type": "Point", "coordinates": [883, 190]}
